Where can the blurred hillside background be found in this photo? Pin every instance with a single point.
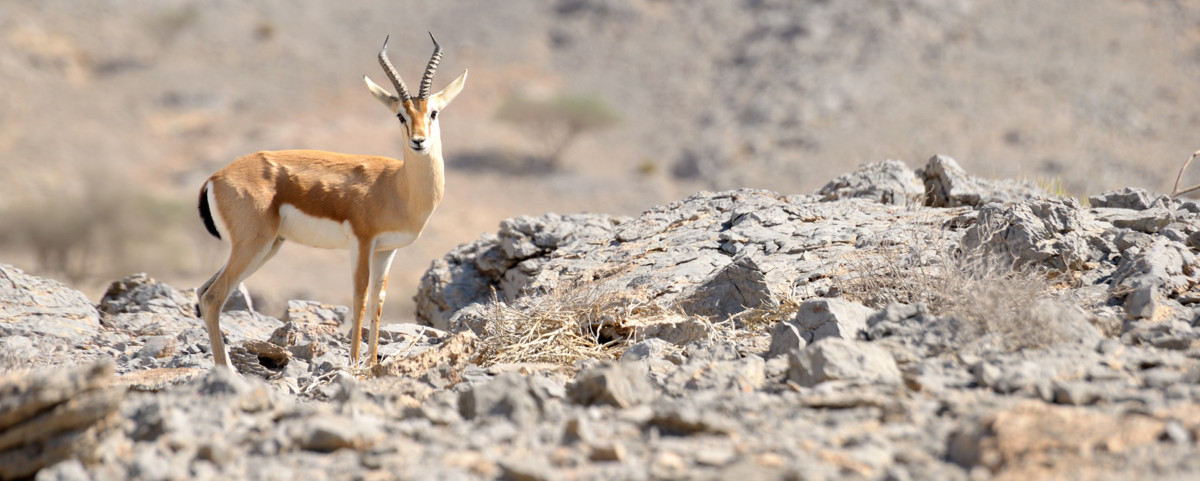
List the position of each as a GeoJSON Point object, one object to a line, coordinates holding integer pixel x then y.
{"type": "Point", "coordinates": [112, 113]}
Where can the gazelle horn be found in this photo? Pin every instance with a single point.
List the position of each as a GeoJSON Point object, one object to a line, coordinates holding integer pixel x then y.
{"type": "Point", "coordinates": [391, 72]}
{"type": "Point", "coordinates": [427, 80]}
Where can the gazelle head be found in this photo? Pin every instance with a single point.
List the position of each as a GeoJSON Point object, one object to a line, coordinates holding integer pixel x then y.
{"type": "Point", "coordinates": [418, 115]}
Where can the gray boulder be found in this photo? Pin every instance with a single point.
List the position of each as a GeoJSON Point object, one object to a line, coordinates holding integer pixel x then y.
{"type": "Point", "coordinates": [31, 305]}
{"type": "Point", "coordinates": [141, 293]}
{"type": "Point", "coordinates": [817, 319]}
{"type": "Point", "coordinates": [1129, 198]}
{"type": "Point", "coordinates": [313, 312]}
{"type": "Point", "coordinates": [617, 384]}
{"type": "Point", "coordinates": [471, 272]}
{"type": "Point", "coordinates": [53, 415]}
{"type": "Point", "coordinates": [834, 358]}
{"type": "Point", "coordinates": [520, 399]}
{"type": "Point", "coordinates": [1151, 274]}
{"type": "Point", "coordinates": [911, 332]}
{"type": "Point", "coordinates": [652, 348]}
{"type": "Point", "coordinates": [785, 337]}
{"type": "Point", "coordinates": [737, 286]}
{"type": "Point", "coordinates": [948, 185]}
{"type": "Point", "coordinates": [1055, 233]}
{"type": "Point", "coordinates": [886, 182]}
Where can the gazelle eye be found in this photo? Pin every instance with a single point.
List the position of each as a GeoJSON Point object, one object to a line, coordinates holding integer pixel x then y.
{"type": "Point", "coordinates": [433, 115]}
{"type": "Point", "coordinates": [401, 117]}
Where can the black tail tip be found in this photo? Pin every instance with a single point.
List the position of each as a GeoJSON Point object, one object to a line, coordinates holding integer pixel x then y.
{"type": "Point", "coordinates": [206, 213]}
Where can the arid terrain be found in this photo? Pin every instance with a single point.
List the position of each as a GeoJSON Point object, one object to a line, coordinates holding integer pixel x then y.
{"type": "Point", "coordinates": [895, 239]}
{"type": "Point", "coordinates": [895, 325]}
{"type": "Point", "coordinates": [113, 113]}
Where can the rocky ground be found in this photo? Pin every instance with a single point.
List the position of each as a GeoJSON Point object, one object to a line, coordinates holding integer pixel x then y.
{"type": "Point", "coordinates": [895, 325]}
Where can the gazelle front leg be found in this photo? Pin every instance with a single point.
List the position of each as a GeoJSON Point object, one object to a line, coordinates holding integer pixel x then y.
{"type": "Point", "coordinates": [361, 252]}
{"type": "Point", "coordinates": [380, 263]}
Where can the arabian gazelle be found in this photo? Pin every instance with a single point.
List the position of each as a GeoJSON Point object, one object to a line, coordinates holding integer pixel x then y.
{"type": "Point", "coordinates": [370, 205]}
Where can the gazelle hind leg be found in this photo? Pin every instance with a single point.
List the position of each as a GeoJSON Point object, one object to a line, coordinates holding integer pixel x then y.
{"type": "Point", "coordinates": [381, 262]}
{"type": "Point", "coordinates": [243, 261]}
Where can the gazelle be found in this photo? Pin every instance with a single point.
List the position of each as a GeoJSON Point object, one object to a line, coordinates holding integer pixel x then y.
{"type": "Point", "coordinates": [370, 205]}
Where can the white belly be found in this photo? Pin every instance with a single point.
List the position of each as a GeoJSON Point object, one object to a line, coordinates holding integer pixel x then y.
{"type": "Point", "coordinates": [394, 240]}
{"type": "Point", "coordinates": [296, 226]}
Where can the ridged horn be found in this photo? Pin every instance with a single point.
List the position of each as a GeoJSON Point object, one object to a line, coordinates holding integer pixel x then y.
{"type": "Point", "coordinates": [427, 80]}
{"type": "Point", "coordinates": [397, 82]}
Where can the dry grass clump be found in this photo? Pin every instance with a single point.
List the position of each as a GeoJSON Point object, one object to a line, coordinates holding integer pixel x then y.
{"type": "Point", "coordinates": [761, 319]}
{"type": "Point", "coordinates": [985, 292]}
{"type": "Point", "coordinates": [581, 322]}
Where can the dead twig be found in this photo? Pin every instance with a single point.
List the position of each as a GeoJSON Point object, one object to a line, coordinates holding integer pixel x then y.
{"type": "Point", "coordinates": [1176, 192]}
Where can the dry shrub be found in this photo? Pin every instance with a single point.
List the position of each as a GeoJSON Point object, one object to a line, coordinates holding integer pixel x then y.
{"type": "Point", "coordinates": [986, 292]}
{"type": "Point", "coordinates": [760, 319]}
{"type": "Point", "coordinates": [581, 322]}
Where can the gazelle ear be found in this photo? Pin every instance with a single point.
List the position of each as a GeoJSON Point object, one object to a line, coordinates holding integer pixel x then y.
{"type": "Point", "coordinates": [382, 95]}
{"type": "Point", "coordinates": [447, 94]}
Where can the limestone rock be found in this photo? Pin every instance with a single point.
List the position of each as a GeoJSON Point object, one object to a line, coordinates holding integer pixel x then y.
{"type": "Point", "coordinates": [31, 305]}
{"type": "Point", "coordinates": [1157, 270]}
{"type": "Point", "coordinates": [1055, 233]}
{"type": "Point", "coordinates": [329, 433]}
{"type": "Point", "coordinates": [304, 341]}
{"type": "Point", "coordinates": [49, 416]}
{"type": "Point", "coordinates": [834, 358]}
{"type": "Point", "coordinates": [472, 272]}
{"type": "Point", "coordinates": [816, 319]}
{"type": "Point", "coordinates": [685, 294]}
{"type": "Point", "coordinates": [948, 185]}
{"type": "Point", "coordinates": [452, 353]}
{"type": "Point", "coordinates": [1129, 198]}
{"type": "Point", "coordinates": [141, 293]}
{"type": "Point", "coordinates": [701, 373]}
{"type": "Point", "coordinates": [785, 337]}
{"type": "Point", "coordinates": [1038, 434]}
{"type": "Point", "coordinates": [886, 182]}
{"type": "Point", "coordinates": [652, 348]}
{"type": "Point", "coordinates": [618, 384]}
{"type": "Point", "coordinates": [821, 318]}
{"type": "Point", "coordinates": [240, 326]}
{"type": "Point", "coordinates": [510, 395]}
{"type": "Point", "coordinates": [314, 312]}
{"type": "Point", "coordinates": [737, 286]}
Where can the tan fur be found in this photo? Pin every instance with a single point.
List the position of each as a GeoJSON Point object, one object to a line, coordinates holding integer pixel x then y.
{"type": "Point", "coordinates": [384, 203]}
{"type": "Point", "coordinates": [375, 194]}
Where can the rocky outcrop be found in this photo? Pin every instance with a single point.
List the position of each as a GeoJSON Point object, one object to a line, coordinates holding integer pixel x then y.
{"type": "Point", "coordinates": [711, 255]}
{"type": "Point", "coordinates": [721, 255]}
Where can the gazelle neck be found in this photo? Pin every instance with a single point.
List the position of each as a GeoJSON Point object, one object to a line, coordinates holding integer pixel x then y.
{"type": "Point", "coordinates": [424, 179]}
